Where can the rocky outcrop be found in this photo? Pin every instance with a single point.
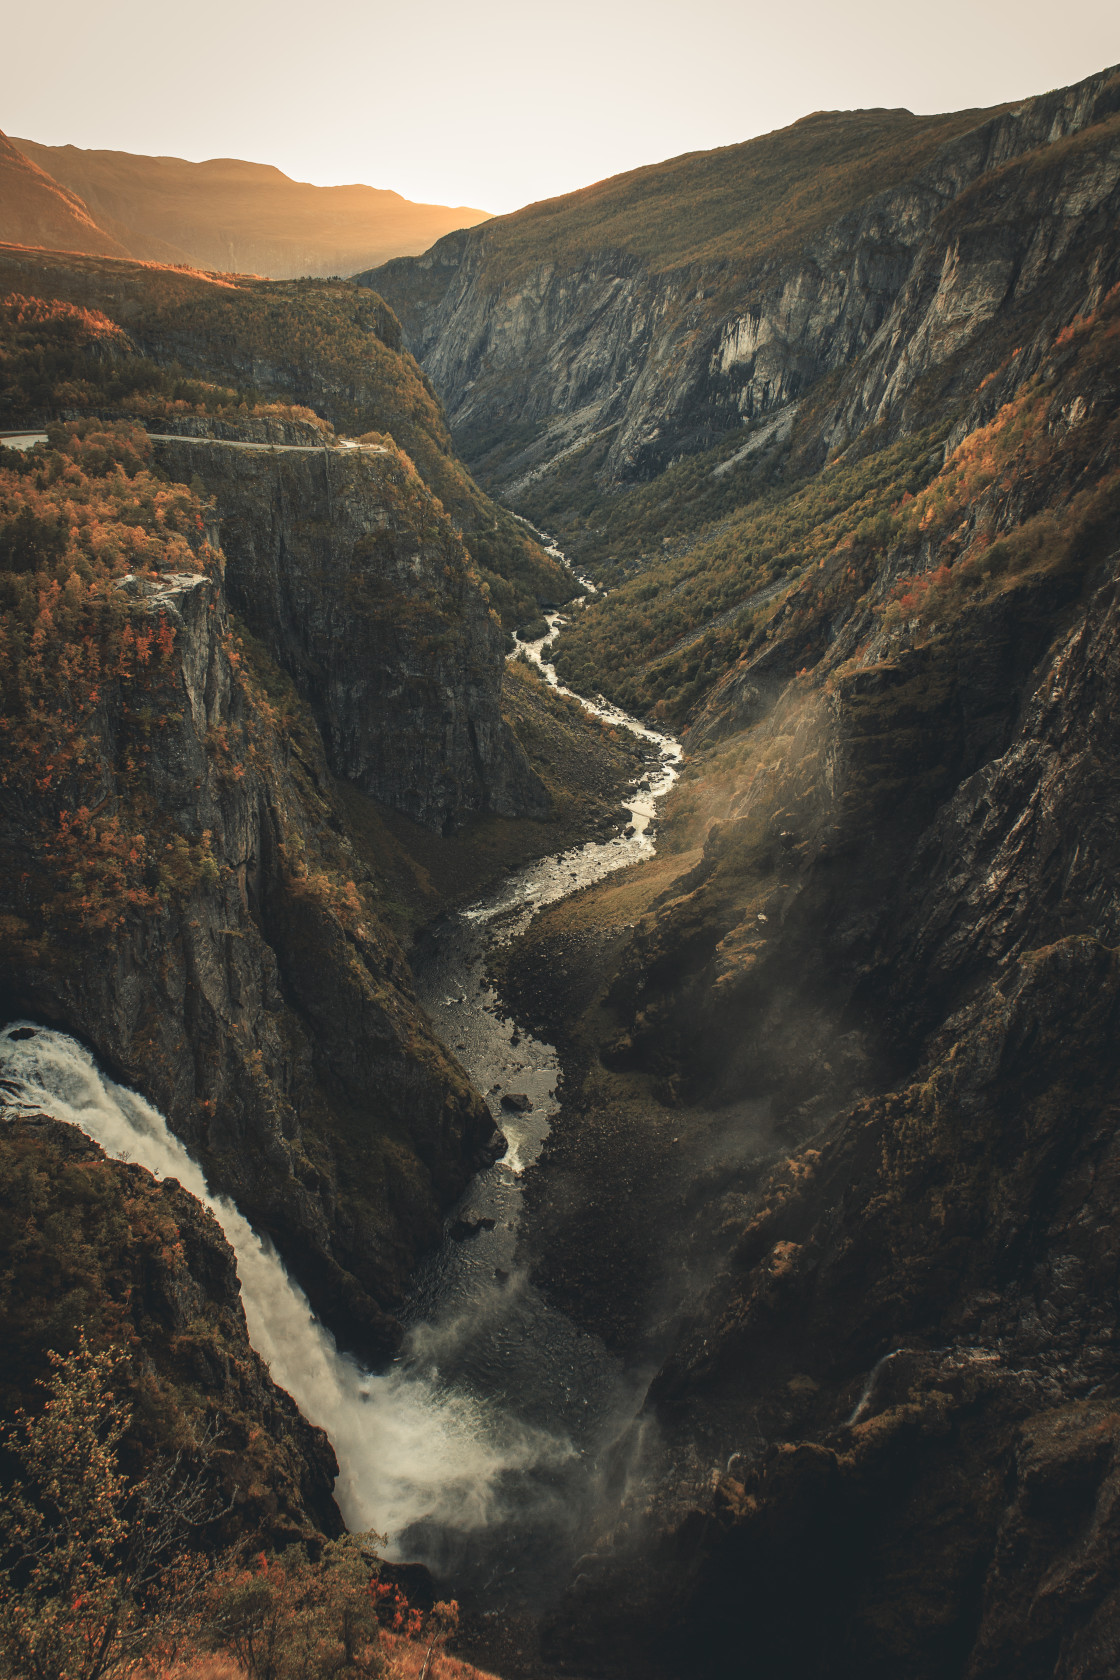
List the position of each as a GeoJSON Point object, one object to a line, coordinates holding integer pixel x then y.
{"type": "Point", "coordinates": [898, 1400]}
{"type": "Point", "coordinates": [542, 361]}
{"type": "Point", "coordinates": [254, 347]}
{"type": "Point", "coordinates": [344, 565]}
{"type": "Point", "coordinates": [100, 1247]}
{"type": "Point", "coordinates": [250, 990]}
{"type": "Point", "coordinates": [283, 428]}
{"type": "Point", "coordinates": [908, 1377]}
{"type": "Point", "coordinates": [1024, 247]}
{"type": "Point", "coordinates": [896, 940]}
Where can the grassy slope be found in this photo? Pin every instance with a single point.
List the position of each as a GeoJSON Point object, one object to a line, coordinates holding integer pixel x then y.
{"type": "Point", "coordinates": [328, 346]}
{"type": "Point", "coordinates": [664, 635]}
{"type": "Point", "coordinates": [757, 198]}
{"type": "Point", "coordinates": [807, 552]}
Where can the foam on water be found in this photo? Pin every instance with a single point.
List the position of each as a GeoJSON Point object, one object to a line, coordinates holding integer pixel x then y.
{"type": "Point", "coordinates": [409, 1449]}
{"type": "Point", "coordinates": [499, 1414]}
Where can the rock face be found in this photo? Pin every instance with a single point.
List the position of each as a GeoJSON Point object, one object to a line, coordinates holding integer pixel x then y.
{"type": "Point", "coordinates": [646, 359]}
{"type": "Point", "coordinates": [257, 999]}
{"type": "Point", "coordinates": [99, 1246]}
{"type": "Point", "coordinates": [898, 1401]}
{"type": "Point", "coordinates": [250, 349]}
{"type": "Point", "coordinates": [889, 1425]}
{"type": "Point", "coordinates": [343, 564]}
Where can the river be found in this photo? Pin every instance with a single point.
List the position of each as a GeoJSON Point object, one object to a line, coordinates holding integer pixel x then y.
{"type": "Point", "coordinates": [487, 1447]}
{"type": "Point", "coordinates": [476, 1323]}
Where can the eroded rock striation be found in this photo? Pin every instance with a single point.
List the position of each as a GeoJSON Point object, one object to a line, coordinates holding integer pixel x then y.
{"type": "Point", "coordinates": [568, 335]}
{"type": "Point", "coordinates": [345, 566]}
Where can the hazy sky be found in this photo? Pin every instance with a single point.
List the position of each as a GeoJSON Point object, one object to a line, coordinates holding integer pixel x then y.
{"type": "Point", "coordinates": [498, 102]}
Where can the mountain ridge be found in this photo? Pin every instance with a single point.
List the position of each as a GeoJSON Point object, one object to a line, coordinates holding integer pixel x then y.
{"type": "Point", "coordinates": [37, 210]}
{"type": "Point", "coordinates": [238, 216]}
{"type": "Point", "coordinates": [616, 359]}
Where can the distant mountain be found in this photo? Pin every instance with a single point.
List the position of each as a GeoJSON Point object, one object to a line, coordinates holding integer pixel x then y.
{"type": "Point", "coordinates": [239, 217]}
{"type": "Point", "coordinates": [36, 210]}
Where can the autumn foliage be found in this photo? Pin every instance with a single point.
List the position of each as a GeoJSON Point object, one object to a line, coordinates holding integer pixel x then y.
{"type": "Point", "coordinates": [102, 1574]}
{"type": "Point", "coordinates": [95, 1568]}
{"type": "Point", "coordinates": [82, 662]}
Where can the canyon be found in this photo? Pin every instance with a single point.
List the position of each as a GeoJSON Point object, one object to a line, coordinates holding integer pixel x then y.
{"type": "Point", "coordinates": [809, 1098]}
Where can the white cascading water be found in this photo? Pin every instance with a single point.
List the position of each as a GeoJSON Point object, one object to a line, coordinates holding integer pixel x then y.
{"type": "Point", "coordinates": [407, 1449]}
{"type": "Point", "coordinates": [500, 1414]}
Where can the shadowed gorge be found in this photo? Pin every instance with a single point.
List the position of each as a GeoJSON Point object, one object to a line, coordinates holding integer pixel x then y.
{"type": "Point", "coordinates": [879, 613]}
{"type": "Point", "coordinates": [640, 1000]}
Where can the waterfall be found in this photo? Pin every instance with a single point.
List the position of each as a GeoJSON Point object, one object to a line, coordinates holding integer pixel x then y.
{"type": "Point", "coordinates": [408, 1448]}
{"type": "Point", "coordinates": [868, 1390]}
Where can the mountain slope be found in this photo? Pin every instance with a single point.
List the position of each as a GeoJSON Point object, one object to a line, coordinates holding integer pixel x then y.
{"type": "Point", "coordinates": [176, 887]}
{"type": "Point", "coordinates": [588, 343]}
{"type": "Point", "coordinates": [95, 1247]}
{"type": "Point", "coordinates": [243, 217]}
{"type": "Point", "coordinates": [191, 887]}
{"type": "Point", "coordinates": [36, 210]}
{"type": "Point", "coordinates": [325, 346]}
{"type": "Point", "coordinates": [858, 360]}
{"type": "Point", "coordinates": [886, 919]}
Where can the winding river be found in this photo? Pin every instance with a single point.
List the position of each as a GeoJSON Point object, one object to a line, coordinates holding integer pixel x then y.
{"type": "Point", "coordinates": [476, 1322]}
{"type": "Point", "coordinates": [500, 1429]}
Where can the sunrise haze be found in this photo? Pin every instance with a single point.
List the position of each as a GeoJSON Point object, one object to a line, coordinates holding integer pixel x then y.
{"type": "Point", "coordinates": [500, 104]}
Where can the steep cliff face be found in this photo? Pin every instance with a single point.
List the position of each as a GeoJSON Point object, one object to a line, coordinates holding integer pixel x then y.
{"type": "Point", "coordinates": [97, 1247]}
{"type": "Point", "coordinates": [906, 1380]}
{"type": "Point", "coordinates": [344, 565]}
{"type": "Point", "coordinates": [610, 355]}
{"type": "Point", "coordinates": [180, 892]}
{"type": "Point", "coordinates": [883, 950]}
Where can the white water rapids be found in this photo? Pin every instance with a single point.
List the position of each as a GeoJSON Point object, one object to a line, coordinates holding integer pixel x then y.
{"type": "Point", "coordinates": [404, 1447]}
{"type": "Point", "coordinates": [485, 1441]}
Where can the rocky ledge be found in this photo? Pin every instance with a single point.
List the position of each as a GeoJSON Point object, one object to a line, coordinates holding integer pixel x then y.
{"type": "Point", "coordinates": [102, 1247]}
{"type": "Point", "coordinates": [344, 565]}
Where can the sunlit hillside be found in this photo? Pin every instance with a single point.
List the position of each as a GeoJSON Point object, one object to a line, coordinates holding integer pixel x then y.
{"type": "Point", "coordinates": [36, 210]}
{"type": "Point", "coordinates": [243, 217]}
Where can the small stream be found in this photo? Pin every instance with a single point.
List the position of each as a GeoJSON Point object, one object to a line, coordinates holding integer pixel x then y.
{"type": "Point", "coordinates": [487, 1447]}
